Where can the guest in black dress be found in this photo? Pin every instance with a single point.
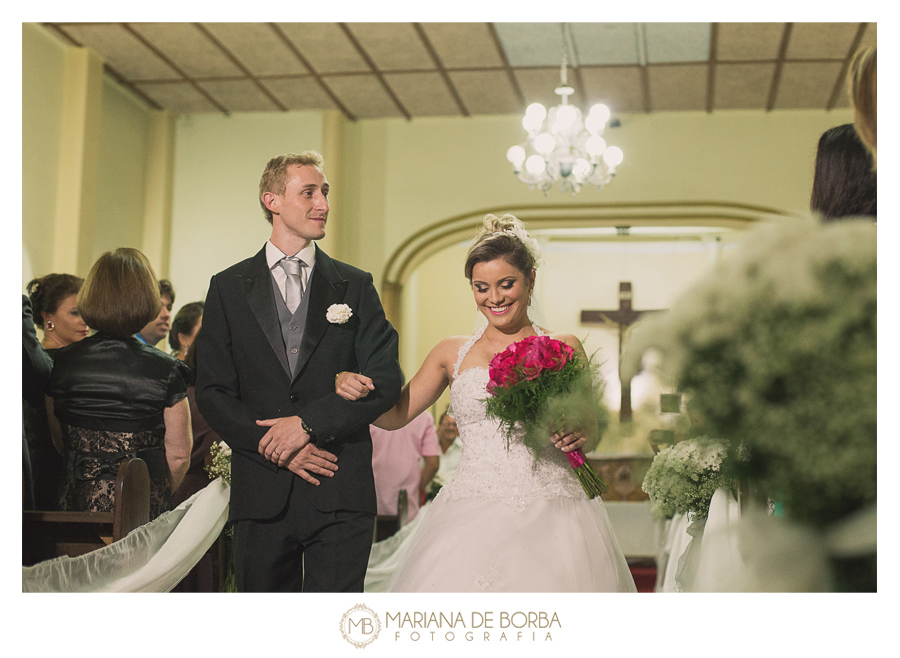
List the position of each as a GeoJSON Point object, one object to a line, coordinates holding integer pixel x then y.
{"type": "Point", "coordinates": [114, 397]}
{"type": "Point", "coordinates": [55, 311]}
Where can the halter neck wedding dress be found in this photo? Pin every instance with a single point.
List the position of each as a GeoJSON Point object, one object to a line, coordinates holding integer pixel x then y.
{"type": "Point", "coordinates": [507, 523]}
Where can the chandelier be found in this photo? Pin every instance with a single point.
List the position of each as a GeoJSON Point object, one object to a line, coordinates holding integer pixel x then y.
{"type": "Point", "coordinates": [566, 149]}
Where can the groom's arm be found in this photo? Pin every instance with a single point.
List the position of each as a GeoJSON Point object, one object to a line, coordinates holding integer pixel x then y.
{"type": "Point", "coordinates": [331, 417]}
{"type": "Point", "coordinates": [218, 387]}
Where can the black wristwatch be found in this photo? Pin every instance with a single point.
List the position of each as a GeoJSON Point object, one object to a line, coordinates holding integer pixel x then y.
{"type": "Point", "coordinates": [308, 430]}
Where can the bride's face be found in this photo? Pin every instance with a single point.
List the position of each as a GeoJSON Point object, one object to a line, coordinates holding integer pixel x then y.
{"type": "Point", "coordinates": [501, 292]}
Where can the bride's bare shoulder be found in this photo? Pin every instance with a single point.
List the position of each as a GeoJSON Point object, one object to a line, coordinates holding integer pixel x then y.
{"type": "Point", "coordinates": [568, 339]}
{"type": "Point", "coordinates": [448, 349]}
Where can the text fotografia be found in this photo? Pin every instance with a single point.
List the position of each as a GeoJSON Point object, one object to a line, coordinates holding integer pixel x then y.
{"type": "Point", "coordinates": [478, 626]}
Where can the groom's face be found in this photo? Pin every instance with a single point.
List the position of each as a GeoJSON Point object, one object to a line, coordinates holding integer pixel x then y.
{"type": "Point", "coordinates": [303, 208]}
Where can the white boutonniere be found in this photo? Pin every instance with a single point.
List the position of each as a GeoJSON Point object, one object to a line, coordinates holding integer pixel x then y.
{"type": "Point", "coordinates": [338, 313]}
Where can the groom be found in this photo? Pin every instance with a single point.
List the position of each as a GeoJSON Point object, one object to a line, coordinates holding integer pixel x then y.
{"type": "Point", "coordinates": [277, 329]}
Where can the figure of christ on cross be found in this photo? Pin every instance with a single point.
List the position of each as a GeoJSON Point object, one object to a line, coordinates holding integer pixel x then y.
{"type": "Point", "coordinates": [623, 318]}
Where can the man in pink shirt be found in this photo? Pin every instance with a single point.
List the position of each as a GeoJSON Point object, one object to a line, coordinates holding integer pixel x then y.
{"type": "Point", "coordinates": [395, 462]}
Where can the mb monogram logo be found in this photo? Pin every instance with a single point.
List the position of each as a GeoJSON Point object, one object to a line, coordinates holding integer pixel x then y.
{"type": "Point", "coordinates": [360, 626]}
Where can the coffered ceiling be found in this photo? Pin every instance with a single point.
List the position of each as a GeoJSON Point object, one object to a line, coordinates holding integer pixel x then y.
{"type": "Point", "coordinates": [375, 70]}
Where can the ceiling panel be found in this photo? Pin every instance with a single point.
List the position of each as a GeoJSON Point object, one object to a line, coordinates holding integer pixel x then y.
{"type": "Point", "coordinates": [363, 95]}
{"type": "Point", "coordinates": [749, 41]}
{"type": "Point", "coordinates": [258, 47]}
{"type": "Point", "coordinates": [463, 45]}
{"type": "Point", "coordinates": [392, 46]}
{"type": "Point", "coordinates": [486, 92]}
{"type": "Point", "coordinates": [190, 50]}
{"type": "Point", "coordinates": [179, 97]}
{"type": "Point", "coordinates": [678, 87]}
{"type": "Point", "coordinates": [677, 42]}
{"type": "Point", "coordinates": [605, 43]}
{"type": "Point", "coordinates": [806, 84]}
{"type": "Point", "coordinates": [531, 44]}
{"type": "Point", "coordinates": [617, 87]}
{"type": "Point", "coordinates": [239, 95]}
{"type": "Point", "coordinates": [423, 94]}
{"type": "Point", "coordinates": [743, 86]}
{"type": "Point", "coordinates": [538, 86]}
{"type": "Point", "coordinates": [821, 40]}
{"type": "Point", "coordinates": [123, 51]}
{"type": "Point", "coordinates": [299, 93]}
{"type": "Point", "coordinates": [325, 46]}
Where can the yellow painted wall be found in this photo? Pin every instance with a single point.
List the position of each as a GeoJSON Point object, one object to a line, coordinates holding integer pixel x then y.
{"type": "Point", "coordinates": [43, 71]}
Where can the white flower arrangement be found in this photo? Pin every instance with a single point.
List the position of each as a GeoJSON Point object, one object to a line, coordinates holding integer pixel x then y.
{"type": "Point", "coordinates": [338, 313]}
{"type": "Point", "coordinates": [221, 462]}
{"type": "Point", "coordinates": [777, 347]}
{"type": "Point", "coordinates": [683, 477]}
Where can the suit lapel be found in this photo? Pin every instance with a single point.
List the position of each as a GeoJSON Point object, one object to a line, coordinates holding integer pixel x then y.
{"type": "Point", "coordinates": [260, 297]}
{"type": "Point", "coordinates": [327, 288]}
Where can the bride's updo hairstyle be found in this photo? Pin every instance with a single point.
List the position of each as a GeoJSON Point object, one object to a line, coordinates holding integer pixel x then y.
{"type": "Point", "coordinates": [503, 237]}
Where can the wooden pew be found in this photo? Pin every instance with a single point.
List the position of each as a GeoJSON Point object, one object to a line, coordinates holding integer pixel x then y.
{"type": "Point", "coordinates": [50, 534]}
{"type": "Point", "coordinates": [386, 525]}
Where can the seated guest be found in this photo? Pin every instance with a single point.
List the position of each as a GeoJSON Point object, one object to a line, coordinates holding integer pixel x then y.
{"type": "Point", "coordinates": [54, 309]}
{"type": "Point", "coordinates": [845, 182]}
{"type": "Point", "coordinates": [36, 366]}
{"type": "Point", "coordinates": [112, 396]}
{"type": "Point", "coordinates": [155, 330]}
{"type": "Point", "coordinates": [451, 451]}
{"type": "Point", "coordinates": [396, 456]}
{"type": "Point", "coordinates": [185, 326]}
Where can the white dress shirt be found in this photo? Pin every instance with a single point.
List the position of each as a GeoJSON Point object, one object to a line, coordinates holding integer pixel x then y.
{"type": "Point", "coordinates": [274, 256]}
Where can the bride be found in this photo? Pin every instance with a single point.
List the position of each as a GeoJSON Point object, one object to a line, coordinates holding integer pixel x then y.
{"type": "Point", "coordinates": [505, 523]}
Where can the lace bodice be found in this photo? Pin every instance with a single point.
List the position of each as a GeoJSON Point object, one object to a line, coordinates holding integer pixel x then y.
{"type": "Point", "coordinates": [489, 468]}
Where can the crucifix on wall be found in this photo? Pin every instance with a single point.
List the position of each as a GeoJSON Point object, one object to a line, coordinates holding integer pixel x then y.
{"type": "Point", "coordinates": [622, 318]}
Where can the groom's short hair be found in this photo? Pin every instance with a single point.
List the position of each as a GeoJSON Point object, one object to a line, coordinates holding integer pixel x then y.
{"type": "Point", "coordinates": [274, 178]}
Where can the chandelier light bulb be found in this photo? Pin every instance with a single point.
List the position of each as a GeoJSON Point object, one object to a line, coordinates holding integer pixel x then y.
{"type": "Point", "coordinates": [535, 165]}
{"type": "Point", "coordinates": [565, 117]}
{"type": "Point", "coordinates": [595, 145]}
{"type": "Point", "coordinates": [582, 168]}
{"type": "Point", "coordinates": [531, 122]}
{"type": "Point", "coordinates": [536, 110]}
{"type": "Point", "coordinates": [601, 112]}
{"type": "Point", "coordinates": [516, 155]}
{"type": "Point", "coordinates": [544, 143]}
{"type": "Point", "coordinates": [613, 156]}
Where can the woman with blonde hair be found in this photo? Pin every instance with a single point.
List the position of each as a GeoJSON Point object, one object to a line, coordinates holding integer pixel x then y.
{"type": "Point", "coordinates": [112, 397]}
{"type": "Point", "coordinates": [505, 522]}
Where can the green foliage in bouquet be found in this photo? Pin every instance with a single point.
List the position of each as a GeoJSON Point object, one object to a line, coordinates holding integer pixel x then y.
{"type": "Point", "coordinates": [778, 348]}
{"type": "Point", "coordinates": [683, 477]}
{"type": "Point", "coordinates": [221, 462]}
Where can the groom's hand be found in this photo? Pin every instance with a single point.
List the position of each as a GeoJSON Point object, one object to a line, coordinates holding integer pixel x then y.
{"type": "Point", "coordinates": [285, 438]}
{"type": "Point", "coordinates": [311, 459]}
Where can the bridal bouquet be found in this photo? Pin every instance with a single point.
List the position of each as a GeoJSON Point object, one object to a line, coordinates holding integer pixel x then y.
{"type": "Point", "coordinates": [683, 478]}
{"type": "Point", "coordinates": [540, 385]}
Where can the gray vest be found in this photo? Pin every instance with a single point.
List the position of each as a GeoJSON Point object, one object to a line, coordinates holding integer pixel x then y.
{"type": "Point", "coordinates": [292, 325]}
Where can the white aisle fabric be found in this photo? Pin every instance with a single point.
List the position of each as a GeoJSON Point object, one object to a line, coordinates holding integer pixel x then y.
{"type": "Point", "coordinates": [720, 564]}
{"type": "Point", "coordinates": [152, 558]}
{"type": "Point", "coordinates": [676, 543]}
{"type": "Point", "coordinates": [386, 554]}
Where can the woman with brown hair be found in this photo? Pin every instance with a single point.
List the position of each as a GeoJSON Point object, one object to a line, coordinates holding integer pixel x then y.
{"type": "Point", "coordinates": [114, 397]}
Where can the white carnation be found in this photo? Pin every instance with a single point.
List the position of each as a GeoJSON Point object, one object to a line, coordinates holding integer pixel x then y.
{"type": "Point", "coordinates": [338, 313]}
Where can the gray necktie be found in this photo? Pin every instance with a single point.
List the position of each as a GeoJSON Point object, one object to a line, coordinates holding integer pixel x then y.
{"type": "Point", "coordinates": [293, 285]}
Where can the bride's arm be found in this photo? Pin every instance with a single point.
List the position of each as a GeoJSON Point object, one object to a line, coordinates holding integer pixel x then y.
{"type": "Point", "coordinates": [420, 392]}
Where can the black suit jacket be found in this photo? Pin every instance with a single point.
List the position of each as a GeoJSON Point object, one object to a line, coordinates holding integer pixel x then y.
{"type": "Point", "coordinates": [243, 376]}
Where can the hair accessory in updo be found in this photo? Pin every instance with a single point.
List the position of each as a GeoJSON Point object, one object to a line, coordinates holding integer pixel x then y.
{"type": "Point", "coordinates": [512, 226]}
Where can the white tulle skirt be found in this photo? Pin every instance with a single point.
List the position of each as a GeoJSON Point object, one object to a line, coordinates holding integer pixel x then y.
{"type": "Point", "coordinates": [551, 545]}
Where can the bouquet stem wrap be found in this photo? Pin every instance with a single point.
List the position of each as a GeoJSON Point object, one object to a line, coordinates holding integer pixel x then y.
{"type": "Point", "coordinates": [591, 482]}
{"type": "Point", "coordinates": [540, 386]}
